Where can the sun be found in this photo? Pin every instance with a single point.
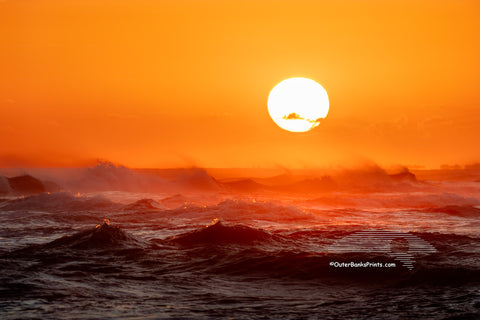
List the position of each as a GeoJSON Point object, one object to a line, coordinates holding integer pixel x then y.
{"type": "Point", "coordinates": [298, 104]}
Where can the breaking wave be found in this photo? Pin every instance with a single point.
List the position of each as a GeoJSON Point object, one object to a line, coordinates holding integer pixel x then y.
{"type": "Point", "coordinates": [103, 236]}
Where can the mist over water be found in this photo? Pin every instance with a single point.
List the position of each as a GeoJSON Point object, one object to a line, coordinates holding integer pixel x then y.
{"type": "Point", "coordinates": [111, 242]}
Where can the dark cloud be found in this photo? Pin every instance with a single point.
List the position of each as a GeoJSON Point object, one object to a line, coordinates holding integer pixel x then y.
{"type": "Point", "coordinates": [314, 121]}
{"type": "Point", "coordinates": [293, 116]}
{"type": "Point", "coordinates": [296, 116]}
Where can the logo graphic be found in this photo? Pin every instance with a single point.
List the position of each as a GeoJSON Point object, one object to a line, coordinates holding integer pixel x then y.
{"type": "Point", "coordinates": [400, 245]}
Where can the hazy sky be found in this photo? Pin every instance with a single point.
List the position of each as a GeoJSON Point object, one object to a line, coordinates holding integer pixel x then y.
{"type": "Point", "coordinates": [181, 83]}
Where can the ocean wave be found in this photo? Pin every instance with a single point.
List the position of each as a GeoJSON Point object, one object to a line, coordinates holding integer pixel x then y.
{"type": "Point", "coordinates": [174, 201]}
{"type": "Point", "coordinates": [398, 200]}
{"type": "Point", "coordinates": [244, 210]}
{"type": "Point", "coordinates": [106, 176]}
{"type": "Point", "coordinates": [240, 250]}
{"type": "Point", "coordinates": [217, 234]}
{"type": "Point", "coordinates": [144, 205]}
{"type": "Point", "coordinates": [256, 252]}
{"type": "Point", "coordinates": [103, 236]}
{"type": "Point", "coordinates": [256, 262]}
{"type": "Point", "coordinates": [457, 210]}
{"type": "Point", "coordinates": [59, 201]}
{"type": "Point", "coordinates": [5, 188]}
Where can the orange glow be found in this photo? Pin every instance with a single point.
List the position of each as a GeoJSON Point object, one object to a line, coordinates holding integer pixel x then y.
{"type": "Point", "coordinates": [178, 83]}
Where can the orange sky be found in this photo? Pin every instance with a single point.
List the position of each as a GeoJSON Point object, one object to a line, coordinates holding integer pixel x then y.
{"type": "Point", "coordinates": [180, 83]}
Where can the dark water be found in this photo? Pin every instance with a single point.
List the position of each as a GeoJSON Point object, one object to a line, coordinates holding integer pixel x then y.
{"type": "Point", "coordinates": [231, 259]}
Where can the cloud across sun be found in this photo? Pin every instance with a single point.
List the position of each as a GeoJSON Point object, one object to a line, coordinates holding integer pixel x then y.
{"type": "Point", "coordinates": [298, 104]}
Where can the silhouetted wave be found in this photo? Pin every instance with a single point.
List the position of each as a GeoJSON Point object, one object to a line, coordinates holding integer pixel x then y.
{"type": "Point", "coordinates": [103, 236]}
{"type": "Point", "coordinates": [217, 233]}
{"type": "Point", "coordinates": [144, 204]}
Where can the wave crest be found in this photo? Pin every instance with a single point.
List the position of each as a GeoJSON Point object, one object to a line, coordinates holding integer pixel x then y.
{"type": "Point", "coordinates": [218, 233]}
{"type": "Point", "coordinates": [103, 236]}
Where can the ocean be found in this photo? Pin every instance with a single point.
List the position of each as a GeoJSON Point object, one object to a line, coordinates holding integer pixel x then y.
{"type": "Point", "coordinates": [242, 255]}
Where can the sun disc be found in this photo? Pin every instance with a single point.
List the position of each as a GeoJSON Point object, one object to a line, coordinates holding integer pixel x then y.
{"type": "Point", "coordinates": [298, 104]}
